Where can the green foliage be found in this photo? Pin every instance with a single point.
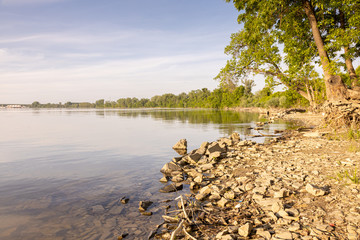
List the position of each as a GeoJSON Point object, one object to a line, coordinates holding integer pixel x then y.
{"type": "Point", "coordinates": [348, 175]}
{"type": "Point", "coordinates": [276, 41]}
{"type": "Point", "coordinates": [219, 98]}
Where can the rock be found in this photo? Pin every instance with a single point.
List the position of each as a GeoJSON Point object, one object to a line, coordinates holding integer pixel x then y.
{"type": "Point", "coordinates": [227, 141]}
{"type": "Point", "coordinates": [286, 235]}
{"type": "Point", "coordinates": [215, 196]}
{"type": "Point", "coordinates": [205, 190]}
{"type": "Point", "coordinates": [264, 234]}
{"type": "Point", "coordinates": [198, 179]}
{"type": "Point", "coordinates": [146, 213]}
{"type": "Point", "coordinates": [206, 167]}
{"type": "Point", "coordinates": [229, 195]}
{"type": "Point", "coordinates": [222, 202]}
{"type": "Point", "coordinates": [181, 144]}
{"type": "Point", "coordinates": [314, 190]}
{"type": "Point", "coordinates": [181, 152]}
{"type": "Point", "coordinates": [276, 207]}
{"type": "Point", "coordinates": [203, 148]}
{"type": "Point", "coordinates": [98, 209]}
{"type": "Point", "coordinates": [294, 227]}
{"type": "Point", "coordinates": [200, 196]}
{"type": "Point", "coordinates": [245, 230]}
{"type": "Point", "coordinates": [170, 167]}
{"type": "Point", "coordinates": [281, 194]}
{"type": "Point", "coordinates": [235, 137]}
{"type": "Point", "coordinates": [173, 187]}
{"type": "Point", "coordinates": [313, 134]}
{"type": "Point", "coordinates": [178, 178]}
{"type": "Point", "coordinates": [143, 205]}
{"type": "Point", "coordinates": [195, 157]}
{"type": "Point", "coordinates": [214, 155]}
{"type": "Point", "coordinates": [164, 179]}
{"type": "Point", "coordinates": [214, 147]}
{"type": "Point", "coordinates": [124, 200]}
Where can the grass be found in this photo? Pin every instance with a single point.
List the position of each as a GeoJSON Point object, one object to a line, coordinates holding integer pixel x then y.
{"type": "Point", "coordinates": [347, 175]}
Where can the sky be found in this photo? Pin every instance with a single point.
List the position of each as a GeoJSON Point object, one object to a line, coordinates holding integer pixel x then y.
{"type": "Point", "coordinates": [85, 50]}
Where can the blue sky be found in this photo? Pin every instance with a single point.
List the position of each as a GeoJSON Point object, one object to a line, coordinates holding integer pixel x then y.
{"type": "Point", "coordinates": [84, 50]}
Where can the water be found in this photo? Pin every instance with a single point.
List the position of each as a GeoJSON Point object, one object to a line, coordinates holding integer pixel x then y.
{"type": "Point", "coordinates": [63, 171]}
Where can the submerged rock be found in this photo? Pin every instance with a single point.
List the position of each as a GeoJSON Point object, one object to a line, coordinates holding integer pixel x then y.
{"type": "Point", "coordinates": [173, 187]}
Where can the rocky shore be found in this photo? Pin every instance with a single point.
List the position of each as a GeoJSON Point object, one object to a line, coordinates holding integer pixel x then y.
{"type": "Point", "coordinates": [301, 185]}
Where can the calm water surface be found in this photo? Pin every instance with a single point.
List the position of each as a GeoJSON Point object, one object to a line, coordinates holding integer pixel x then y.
{"type": "Point", "coordinates": [64, 171]}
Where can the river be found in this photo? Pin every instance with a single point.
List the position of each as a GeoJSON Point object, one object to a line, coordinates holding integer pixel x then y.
{"type": "Point", "coordinates": [64, 171]}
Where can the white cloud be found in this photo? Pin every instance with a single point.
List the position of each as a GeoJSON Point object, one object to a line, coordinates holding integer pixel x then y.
{"type": "Point", "coordinates": [26, 2]}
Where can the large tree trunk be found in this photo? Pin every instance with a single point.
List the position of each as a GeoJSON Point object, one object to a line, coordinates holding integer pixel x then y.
{"type": "Point", "coordinates": [335, 88]}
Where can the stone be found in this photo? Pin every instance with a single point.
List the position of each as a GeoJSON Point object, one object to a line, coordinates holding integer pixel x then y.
{"type": "Point", "coordinates": [178, 178]}
{"type": "Point", "coordinates": [214, 147]}
{"type": "Point", "coordinates": [195, 156]}
{"type": "Point", "coordinates": [206, 167]}
{"type": "Point", "coordinates": [276, 207]}
{"type": "Point", "coordinates": [280, 194]}
{"type": "Point", "coordinates": [203, 148]}
{"type": "Point", "coordinates": [294, 227]}
{"type": "Point", "coordinates": [222, 202]}
{"type": "Point", "coordinates": [200, 196]}
{"type": "Point", "coordinates": [282, 213]}
{"type": "Point", "coordinates": [286, 235]}
{"type": "Point", "coordinates": [235, 137]}
{"type": "Point", "coordinates": [164, 179]}
{"type": "Point", "coordinates": [314, 190]}
{"type": "Point", "coordinates": [198, 179]}
{"type": "Point", "coordinates": [124, 200]}
{"type": "Point", "coordinates": [173, 187]}
{"type": "Point", "coordinates": [170, 167]}
{"type": "Point", "coordinates": [214, 155]}
{"type": "Point", "coordinates": [143, 205]}
{"type": "Point", "coordinates": [313, 134]}
{"type": "Point", "coordinates": [146, 213]}
{"type": "Point", "coordinates": [181, 144]}
{"type": "Point", "coordinates": [97, 209]}
{"type": "Point", "coordinates": [245, 230]}
{"type": "Point", "coordinates": [229, 195]}
{"type": "Point", "coordinates": [265, 234]}
{"type": "Point", "coordinates": [215, 196]}
{"type": "Point", "coordinates": [205, 190]}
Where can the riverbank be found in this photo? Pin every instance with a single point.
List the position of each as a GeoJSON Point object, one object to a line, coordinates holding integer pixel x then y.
{"type": "Point", "coordinates": [299, 186]}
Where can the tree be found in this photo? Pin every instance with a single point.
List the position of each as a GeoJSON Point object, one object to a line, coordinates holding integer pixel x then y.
{"type": "Point", "coordinates": [276, 42]}
{"type": "Point", "coordinates": [35, 104]}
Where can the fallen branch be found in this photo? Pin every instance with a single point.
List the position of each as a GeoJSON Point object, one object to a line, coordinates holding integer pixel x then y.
{"type": "Point", "coordinates": [177, 230]}
{"type": "Point", "coordinates": [188, 234]}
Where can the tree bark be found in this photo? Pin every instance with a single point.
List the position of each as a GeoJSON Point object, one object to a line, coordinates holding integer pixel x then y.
{"type": "Point", "coordinates": [335, 88]}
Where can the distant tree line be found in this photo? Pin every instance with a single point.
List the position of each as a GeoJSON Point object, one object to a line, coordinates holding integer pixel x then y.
{"type": "Point", "coordinates": [237, 96]}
